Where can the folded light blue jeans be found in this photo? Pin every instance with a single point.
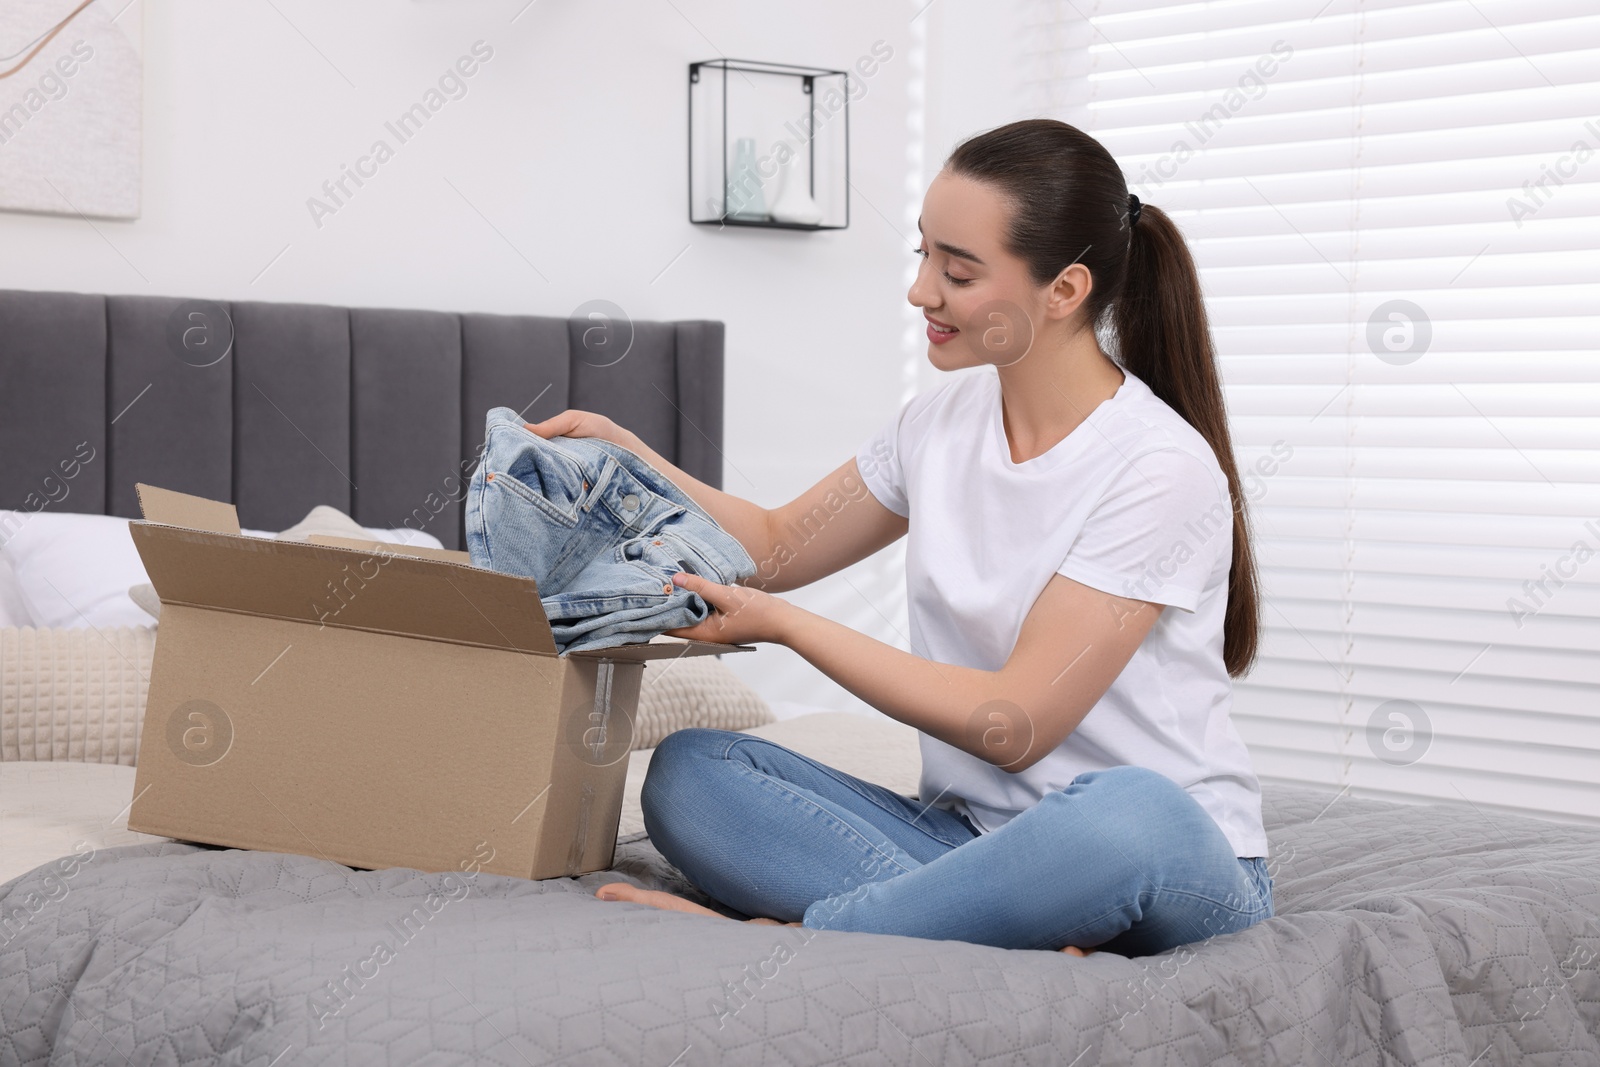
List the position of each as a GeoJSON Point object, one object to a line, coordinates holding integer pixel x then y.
{"type": "Point", "coordinates": [1122, 859]}
{"type": "Point", "coordinates": [599, 529]}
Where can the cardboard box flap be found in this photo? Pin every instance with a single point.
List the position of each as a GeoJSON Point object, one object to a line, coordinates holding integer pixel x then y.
{"type": "Point", "coordinates": [180, 509]}
{"type": "Point", "coordinates": [424, 551]}
{"type": "Point", "coordinates": [660, 648]}
{"type": "Point", "coordinates": [362, 589]}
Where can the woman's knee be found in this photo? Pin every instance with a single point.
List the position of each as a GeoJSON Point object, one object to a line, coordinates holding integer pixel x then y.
{"type": "Point", "coordinates": [1128, 780]}
{"type": "Point", "coordinates": [1144, 798]}
{"type": "Point", "coordinates": [693, 742]}
{"type": "Point", "coordinates": [679, 764]}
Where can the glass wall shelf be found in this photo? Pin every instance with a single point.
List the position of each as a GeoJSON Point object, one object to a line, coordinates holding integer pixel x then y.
{"type": "Point", "coordinates": [769, 145]}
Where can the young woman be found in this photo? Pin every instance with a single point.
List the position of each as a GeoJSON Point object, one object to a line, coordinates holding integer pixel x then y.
{"type": "Point", "coordinates": [1081, 592]}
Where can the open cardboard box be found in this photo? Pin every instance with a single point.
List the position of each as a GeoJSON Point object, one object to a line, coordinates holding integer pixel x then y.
{"type": "Point", "coordinates": [376, 705]}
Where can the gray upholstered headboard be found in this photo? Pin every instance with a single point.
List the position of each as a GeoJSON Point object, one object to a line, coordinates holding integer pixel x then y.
{"type": "Point", "coordinates": [377, 412]}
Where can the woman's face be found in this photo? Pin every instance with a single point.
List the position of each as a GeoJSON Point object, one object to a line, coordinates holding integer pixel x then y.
{"type": "Point", "coordinates": [980, 303]}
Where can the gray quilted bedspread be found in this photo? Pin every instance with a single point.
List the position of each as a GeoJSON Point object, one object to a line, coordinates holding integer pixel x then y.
{"type": "Point", "coordinates": [1415, 935]}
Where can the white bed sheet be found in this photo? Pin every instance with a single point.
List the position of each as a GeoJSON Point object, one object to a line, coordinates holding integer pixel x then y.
{"type": "Point", "coordinates": [52, 809]}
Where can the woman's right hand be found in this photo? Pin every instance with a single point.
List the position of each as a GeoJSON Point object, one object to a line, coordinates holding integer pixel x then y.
{"type": "Point", "coordinates": [575, 423]}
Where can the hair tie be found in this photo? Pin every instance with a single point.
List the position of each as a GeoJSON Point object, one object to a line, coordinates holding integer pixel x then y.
{"type": "Point", "coordinates": [1133, 209]}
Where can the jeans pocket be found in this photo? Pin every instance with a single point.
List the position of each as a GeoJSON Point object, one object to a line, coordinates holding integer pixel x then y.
{"type": "Point", "coordinates": [527, 495]}
{"type": "Point", "coordinates": [544, 477]}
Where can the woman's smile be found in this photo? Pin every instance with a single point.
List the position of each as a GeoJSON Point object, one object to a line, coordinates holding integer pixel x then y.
{"type": "Point", "coordinates": [939, 332]}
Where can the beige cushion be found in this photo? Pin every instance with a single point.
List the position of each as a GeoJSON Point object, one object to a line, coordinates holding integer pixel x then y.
{"type": "Point", "coordinates": [73, 694]}
{"type": "Point", "coordinates": [693, 691]}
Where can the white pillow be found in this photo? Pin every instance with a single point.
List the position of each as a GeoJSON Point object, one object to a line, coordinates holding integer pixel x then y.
{"type": "Point", "coordinates": [76, 570]}
{"type": "Point", "coordinates": [330, 521]}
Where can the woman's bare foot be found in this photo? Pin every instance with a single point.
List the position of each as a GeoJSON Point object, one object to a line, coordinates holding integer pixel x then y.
{"type": "Point", "coordinates": [1073, 950]}
{"type": "Point", "coordinates": [655, 898]}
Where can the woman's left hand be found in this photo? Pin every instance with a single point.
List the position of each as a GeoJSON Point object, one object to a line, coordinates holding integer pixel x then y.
{"type": "Point", "coordinates": [738, 614]}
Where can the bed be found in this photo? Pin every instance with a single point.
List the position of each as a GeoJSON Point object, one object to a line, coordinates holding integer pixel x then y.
{"type": "Point", "coordinates": [1403, 934]}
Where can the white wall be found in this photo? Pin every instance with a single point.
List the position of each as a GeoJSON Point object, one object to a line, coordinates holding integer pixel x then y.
{"type": "Point", "coordinates": [570, 143]}
{"type": "Point", "coordinates": [978, 71]}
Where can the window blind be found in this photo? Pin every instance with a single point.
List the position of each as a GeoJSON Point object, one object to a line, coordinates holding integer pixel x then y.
{"type": "Point", "coordinates": [1395, 207]}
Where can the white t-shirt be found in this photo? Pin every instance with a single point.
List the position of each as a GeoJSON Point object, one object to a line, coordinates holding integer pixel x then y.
{"type": "Point", "coordinates": [1131, 502]}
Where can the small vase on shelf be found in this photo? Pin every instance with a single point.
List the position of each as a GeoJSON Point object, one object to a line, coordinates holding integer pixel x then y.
{"type": "Point", "coordinates": [794, 200]}
{"type": "Point", "coordinates": [745, 199]}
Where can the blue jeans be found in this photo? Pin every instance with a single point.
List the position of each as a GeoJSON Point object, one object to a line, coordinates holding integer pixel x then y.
{"type": "Point", "coordinates": [600, 530]}
{"type": "Point", "coordinates": [1122, 859]}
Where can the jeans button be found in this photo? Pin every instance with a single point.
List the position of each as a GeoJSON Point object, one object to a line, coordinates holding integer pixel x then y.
{"type": "Point", "coordinates": [630, 502]}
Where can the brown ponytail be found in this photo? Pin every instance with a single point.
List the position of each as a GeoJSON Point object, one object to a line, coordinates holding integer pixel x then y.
{"type": "Point", "coordinates": [1070, 204]}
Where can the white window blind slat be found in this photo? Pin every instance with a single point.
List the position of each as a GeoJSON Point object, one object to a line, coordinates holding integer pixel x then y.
{"type": "Point", "coordinates": [1426, 516]}
{"type": "Point", "coordinates": [1548, 278]}
{"type": "Point", "coordinates": [1428, 466]}
{"type": "Point", "coordinates": [1133, 23]}
{"type": "Point", "coordinates": [1521, 532]}
{"type": "Point", "coordinates": [1320, 306]}
{"type": "Point", "coordinates": [1557, 501]}
{"type": "Point", "coordinates": [1245, 369]}
{"type": "Point", "coordinates": [1459, 432]}
{"type": "Point", "coordinates": [1471, 628]}
{"type": "Point", "coordinates": [1287, 91]}
{"type": "Point", "coordinates": [1227, 205]}
{"type": "Point", "coordinates": [1489, 401]}
{"type": "Point", "coordinates": [1231, 31]}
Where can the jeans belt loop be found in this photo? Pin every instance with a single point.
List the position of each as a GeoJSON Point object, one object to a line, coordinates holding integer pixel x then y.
{"type": "Point", "coordinates": [600, 482]}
